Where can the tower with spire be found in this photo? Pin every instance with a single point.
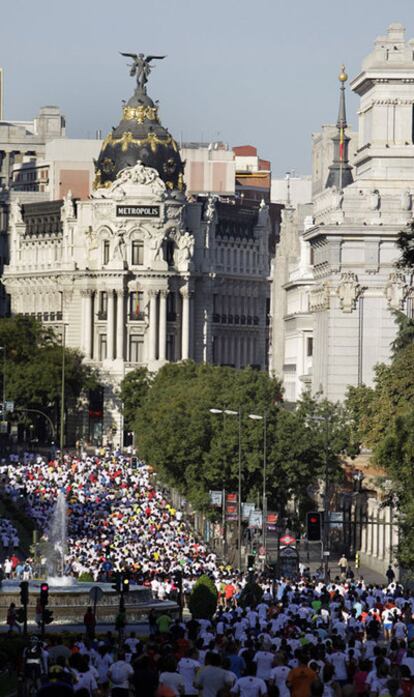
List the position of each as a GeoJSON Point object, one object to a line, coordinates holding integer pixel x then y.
{"type": "Point", "coordinates": [340, 171]}
{"type": "Point", "coordinates": [356, 222]}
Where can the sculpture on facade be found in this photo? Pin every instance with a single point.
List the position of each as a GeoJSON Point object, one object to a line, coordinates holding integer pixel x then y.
{"type": "Point", "coordinates": [92, 238]}
{"type": "Point", "coordinates": [396, 290]}
{"type": "Point", "coordinates": [263, 219]}
{"type": "Point", "coordinates": [156, 240]}
{"type": "Point", "coordinates": [184, 251]}
{"type": "Point", "coordinates": [406, 200]}
{"type": "Point", "coordinates": [131, 177]}
{"type": "Point", "coordinates": [210, 213]}
{"type": "Point", "coordinates": [68, 205]}
{"type": "Point", "coordinates": [119, 248]}
{"type": "Point", "coordinates": [374, 200]}
{"type": "Point", "coordinates": [16, 211]}
{"type": "Point", "coordinates": [348, 291]}
{"type": "Point", "coordinates": [141, 67]}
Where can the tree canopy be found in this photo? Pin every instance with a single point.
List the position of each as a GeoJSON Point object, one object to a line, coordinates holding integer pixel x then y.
{"type": "Point", "coordinates": [32, 366]}
{"type": "Point", "coordinates": [196, 450]}
{"type": "Point", "coordinates": [383, 420]}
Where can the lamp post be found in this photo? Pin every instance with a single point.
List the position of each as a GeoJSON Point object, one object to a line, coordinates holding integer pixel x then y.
{"type": "Point", "coordinates": [231, 412]}
{"type": "Point", "coordinates": [258, 417]}
{"type": "Point", "coordinates": [62, 387]}
{"type": "Point", "coordinates": [3, 348]}
{"type": "Point", "coordinates": [325, 532]}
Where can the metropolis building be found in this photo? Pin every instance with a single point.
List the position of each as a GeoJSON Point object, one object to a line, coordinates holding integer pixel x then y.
{"type": "Point", "coordinates": [139, 274]}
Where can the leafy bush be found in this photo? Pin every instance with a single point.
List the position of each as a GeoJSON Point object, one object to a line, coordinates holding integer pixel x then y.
{"type": "Point", "coordinates": [251, 595]}
{"type": "Point", "coordinates": [203, 599]}
{"type": "Point", "coordinates": [85, 577]}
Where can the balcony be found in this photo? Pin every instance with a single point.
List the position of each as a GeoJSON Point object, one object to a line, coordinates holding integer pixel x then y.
{"type": "Point", "coordinates": [136, 316]}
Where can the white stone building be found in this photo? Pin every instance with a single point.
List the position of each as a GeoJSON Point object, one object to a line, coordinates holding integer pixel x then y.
{"type": "Point", "coordinates": [347, 251]}
{"type": "Point", "coordinates": [353, 249]}
{"type": "Point", "coordinates": [137, 274]}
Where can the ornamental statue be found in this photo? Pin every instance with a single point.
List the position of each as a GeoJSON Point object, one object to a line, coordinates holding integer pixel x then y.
{"type": "Point", "coordinates": [141, 68]}
{"type": "Point", "coordinates": [348, 291]}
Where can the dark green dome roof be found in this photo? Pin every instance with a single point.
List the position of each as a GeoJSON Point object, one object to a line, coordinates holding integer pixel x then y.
{"type": "Point", "coordinates": [140, 136]}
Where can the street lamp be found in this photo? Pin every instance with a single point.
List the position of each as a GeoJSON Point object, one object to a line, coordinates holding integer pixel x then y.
{"type": "Point", "coordinates": [232, 412]}
{"type": "Point", "coordinates": [258, 417]}
{"type": "Point", "coordinates": [3, 348]}
{"type": "Point", "coordinates": [325, 532]}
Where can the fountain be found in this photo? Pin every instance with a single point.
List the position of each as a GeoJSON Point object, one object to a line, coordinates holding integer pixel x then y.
{"type": "Point", "coordinates": [68, 597]}
{"type": "Point", "coordinates": [57, 545]}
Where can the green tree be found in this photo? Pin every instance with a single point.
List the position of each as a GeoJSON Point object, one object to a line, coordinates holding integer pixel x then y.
{"type": "Point", "coordinates": [395, 453]}
{"type": "Point", "coordinates": [195, 450]}
{"type": "Point", "coordinates": [405, 333]}
{"type": "Point", "coordinates": [134, 389]}
{"type": "Point", "coordinates": [32, 369]}
{"type": "Point", "coordinates": [405, 243]}
{"type": "Point", "coordinates": [203, 599]}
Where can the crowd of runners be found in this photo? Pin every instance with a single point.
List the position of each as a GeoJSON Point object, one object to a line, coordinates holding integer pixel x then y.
{"type": "Point", "coordinates": [298, 637]}
{"type": "Point", "coordinates": [117, 519]}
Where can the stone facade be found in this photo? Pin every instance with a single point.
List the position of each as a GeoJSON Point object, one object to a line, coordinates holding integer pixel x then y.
{"type": "Point", "coordinates": [139, 277]}
{"type": "Point", "coordinates": [355, 230]}
{"type": "Point", "coordinates": [19, 139]}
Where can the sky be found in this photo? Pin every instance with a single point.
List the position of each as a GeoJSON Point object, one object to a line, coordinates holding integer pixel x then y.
{"type": "Point", "coordinates": [262, 72]}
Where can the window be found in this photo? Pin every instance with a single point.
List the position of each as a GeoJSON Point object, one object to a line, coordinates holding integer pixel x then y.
{"type": "Point", "coordinates": [169, 252]}
{"type": "Point", "coordinates": [106, 252]}
{"type": "Point", "coordinates": [171, 347]}
{"type": "Point", "coordinates": [137, 253]}
{"type": "Point", "coordinates": [102, 347]}
{"type": "Point", "coordinates": [136, 349]}
{"type": "Point", "coordinates": [309, 346]}
{"type": "Point", "coordinates": [171, 308]}
{"type": "Point", "coordinates": [103, 305]}
{"type": "Point", "coordinates": [136, 305]}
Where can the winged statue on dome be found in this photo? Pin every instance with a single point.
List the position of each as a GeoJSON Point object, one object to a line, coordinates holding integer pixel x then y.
{"type": "Point", "coordinates": [141, 67]}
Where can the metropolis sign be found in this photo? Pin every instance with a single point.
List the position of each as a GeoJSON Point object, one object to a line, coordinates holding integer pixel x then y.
{"type": "Point", "coordinates": [137, 211]}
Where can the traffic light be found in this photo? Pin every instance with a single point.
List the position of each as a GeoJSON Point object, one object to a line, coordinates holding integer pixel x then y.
{"type": "Point", "coordinates": [24, 592]}
{"type": "Point", "coordinates": [47, 616]}
{"type": "Point", "coordinates": [44, 594]}
{"type": "Point", "coordinates": [250, 560]}
{"type": "Point", "coordinates": [125, 585]}
{"type": "Point", "coordinates": [21, 614]}
{"type": "Point", "coordinates": [314, 526]}
{"type": "Point", "coordinates": [117, 585]}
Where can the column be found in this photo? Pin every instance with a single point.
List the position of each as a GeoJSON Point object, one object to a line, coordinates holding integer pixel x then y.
{"type": "Point", "coordinates": [110, 325]}
{"type": "Point", "coordinates": [185, 323]}
{"type": "Point", "coordinates": [5, 167]}
{"type": "Point", "coordinates": [87, 322]}
{"type": "Point", "coordinates": [162, 336]}
{"type": "Point", "coordinates": [152, 351]}
{"type": "Point", "coordinates": [120, 324]}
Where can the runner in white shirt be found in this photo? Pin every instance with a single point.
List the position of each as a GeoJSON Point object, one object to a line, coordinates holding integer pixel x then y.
{"type": "Point", "coordinates": [188, 667]}
{"type": "Point", "coordinates": [250, 686]}
{"type": "Point", "coordinates": [264, 661]}
{"type": "Point", "coordinates": [278, 677]}
{"type": "Point", "coordinates": [120, 673]}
